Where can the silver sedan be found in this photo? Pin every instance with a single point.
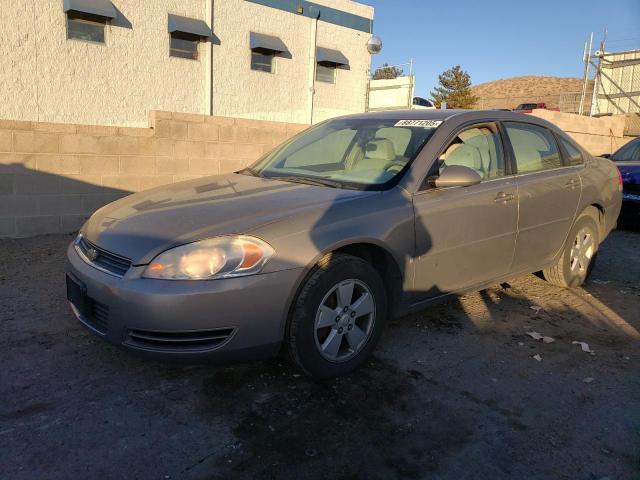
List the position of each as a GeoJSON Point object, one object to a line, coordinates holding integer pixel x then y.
{"type": "Point", "coordinates": [355, 221]}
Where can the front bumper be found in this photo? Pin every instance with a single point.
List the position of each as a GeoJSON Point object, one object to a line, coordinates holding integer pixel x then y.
{"type": "Point", "coordinates": [222, 321]}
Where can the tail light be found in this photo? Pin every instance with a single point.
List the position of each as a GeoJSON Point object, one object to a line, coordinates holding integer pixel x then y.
{"type": "Point", "coordinates": [619, 180]}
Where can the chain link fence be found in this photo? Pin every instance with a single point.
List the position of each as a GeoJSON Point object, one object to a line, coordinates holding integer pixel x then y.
{"type": "Point", "coordinates": [568, 102]}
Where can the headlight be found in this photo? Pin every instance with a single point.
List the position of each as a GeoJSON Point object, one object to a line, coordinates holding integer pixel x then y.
{"type": "Point", "coordinates": [220, 257]}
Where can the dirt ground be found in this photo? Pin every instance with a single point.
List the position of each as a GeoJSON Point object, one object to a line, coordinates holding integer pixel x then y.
{"type": "Point", "coordinates": [452, 393]}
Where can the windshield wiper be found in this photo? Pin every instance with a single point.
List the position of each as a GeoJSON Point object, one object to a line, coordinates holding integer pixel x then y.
{"type": "Point", "coordinates": [323, 182]}
{"type": "Point", "coordinates": [251, 171]}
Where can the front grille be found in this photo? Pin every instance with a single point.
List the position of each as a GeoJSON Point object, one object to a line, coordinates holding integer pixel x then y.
{"type": "Point", "coordinates": [105, 260]}
{"type": "Point", "coordinates": [179, 341]}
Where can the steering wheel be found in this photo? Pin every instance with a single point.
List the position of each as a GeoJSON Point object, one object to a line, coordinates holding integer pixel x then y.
{"type": "Point", "coordinates": [394, 163]}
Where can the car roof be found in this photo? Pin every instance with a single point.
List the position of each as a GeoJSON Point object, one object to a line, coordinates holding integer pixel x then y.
{"type": "Point", "coordinates": [460, 116]}
{"type": "Point", "coordinates": [408, 114]}
{"type": "Point", "coordinates": [633, 140]}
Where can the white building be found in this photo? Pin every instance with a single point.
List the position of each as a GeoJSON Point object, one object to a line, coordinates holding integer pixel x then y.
{"type": "Point", "coordinates": [111, 62]}
{"type": "Point", "coordinates": [391, 93]}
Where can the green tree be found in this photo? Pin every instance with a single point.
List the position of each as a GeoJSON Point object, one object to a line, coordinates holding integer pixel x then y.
{"type": "Point", "coordinates": [387, 72]}
{"type": "Point", "coordinates": [455, 89]}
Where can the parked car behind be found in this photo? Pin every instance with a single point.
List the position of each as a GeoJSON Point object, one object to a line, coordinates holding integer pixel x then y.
{"type": "Point", "coordinates": [355, 221]}
{"type": "Point", "coordinates": [528, 107]}
{"type": "Point", "coordinates": [420, 103]}
{"type": "Point", "coordinates": [627, 159]}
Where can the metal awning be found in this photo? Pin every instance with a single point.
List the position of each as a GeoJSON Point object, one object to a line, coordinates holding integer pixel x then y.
{"type": "Point", "coordinates": [331, 58]}
{"type": "Point", "coordinates": [189, 26]}
{"type": "Point", "coordinates": [99, 8]}
{"type": "Point", "coordinates": [267, 44]}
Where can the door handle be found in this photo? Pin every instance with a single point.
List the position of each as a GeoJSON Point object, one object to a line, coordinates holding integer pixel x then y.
{"type": "Point", "coordinates": [503, 197]}
{"type": "Point", "coordinates": [572, 184]}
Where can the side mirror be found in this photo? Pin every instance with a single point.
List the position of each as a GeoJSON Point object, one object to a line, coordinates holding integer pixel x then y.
{"type": "Point", "coordinates": [457, 176]}
{"type": "Point", "coordinates": [605, 155]}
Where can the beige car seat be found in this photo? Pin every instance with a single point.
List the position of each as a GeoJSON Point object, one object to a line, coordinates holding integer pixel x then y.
{"type": "Point", "coordinates": [467, 156]}
{"type": "Point", "coordinates": [378, 153]}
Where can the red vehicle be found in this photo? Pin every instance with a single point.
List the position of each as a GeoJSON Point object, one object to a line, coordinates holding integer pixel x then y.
{"type": "Point", "coordinates": [527, 107]}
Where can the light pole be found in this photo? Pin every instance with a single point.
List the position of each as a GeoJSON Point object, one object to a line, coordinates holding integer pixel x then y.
{"type": "Point", "coordinates": [374, 46]}
{"type": "Point", "coordinates": [315, 12]}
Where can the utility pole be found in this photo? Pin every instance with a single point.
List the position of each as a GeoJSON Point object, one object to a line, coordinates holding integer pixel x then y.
{"type": "Point", "coordinates": [209, 70]}
{"type": "Point", "coordinates": [412, 85]}
{"type": "Point", "coordinates": [374, 46]}
{"type": "Point", "coordinates": [595, 108]}
{"type": "Point", "coordinates": [315, 11]}
{"type": "Point", "coordinates": [586, 58]}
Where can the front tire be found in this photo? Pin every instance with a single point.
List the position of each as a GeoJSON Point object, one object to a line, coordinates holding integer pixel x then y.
{"type": "Point", "coordinates": [338, 317]}
{"type": "Point", "coordinates": [578, 257]}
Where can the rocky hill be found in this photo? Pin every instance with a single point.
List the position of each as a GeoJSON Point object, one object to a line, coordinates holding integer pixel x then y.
{"type": "Point", "coordinates": [556, 92]}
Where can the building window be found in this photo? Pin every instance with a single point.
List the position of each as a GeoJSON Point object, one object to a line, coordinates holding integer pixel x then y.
{"type": "Point", "coordinates": [264, 49]}
{"type": "Point", "coordinates": [325, 73]}
{"type": "Point", "coordinates": [88, 28]}
{"type": "Point", "coordinates": [184, 46]}
{"type": "Point", "coordinates": [185, 34]}
{"type": "Point", "coordinates": [262, 62]}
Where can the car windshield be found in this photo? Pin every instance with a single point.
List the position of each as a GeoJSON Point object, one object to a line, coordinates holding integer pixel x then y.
{"type": "Point", "coordinates": [366, 154]}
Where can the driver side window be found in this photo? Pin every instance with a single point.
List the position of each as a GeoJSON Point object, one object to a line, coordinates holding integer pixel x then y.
{"type": "Point", "coordinates": [479, 148]}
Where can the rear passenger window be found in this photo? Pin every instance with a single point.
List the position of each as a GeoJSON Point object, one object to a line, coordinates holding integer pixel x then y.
{"type": "Point", "coordinates": [479, 148]}
{"type": "Point", "coordinates": [574, 155]}
{"type": "Point", "coordinates": [534, 147]}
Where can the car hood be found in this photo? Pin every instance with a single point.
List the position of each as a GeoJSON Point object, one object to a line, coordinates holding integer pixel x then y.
{"type": "Point", "coordinates": [142, 225]}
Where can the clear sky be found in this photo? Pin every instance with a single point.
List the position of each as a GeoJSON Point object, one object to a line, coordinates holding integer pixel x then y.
{"type": "Point", "coordinates": [494, 39]}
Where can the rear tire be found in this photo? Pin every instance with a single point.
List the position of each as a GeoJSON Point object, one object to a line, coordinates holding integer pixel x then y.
{"type": "Point", "coordinates": [578, 256]}
{"type": "Point", "coordinates": [338, 317]}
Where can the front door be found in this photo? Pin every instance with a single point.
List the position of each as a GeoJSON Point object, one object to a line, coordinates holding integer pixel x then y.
{"type": "Point", "coordinates": [548, 193]}
{"type": "Point", "coordinates": [465, 236]}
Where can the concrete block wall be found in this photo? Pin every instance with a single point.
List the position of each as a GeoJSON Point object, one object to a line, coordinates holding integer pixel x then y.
{"type": "Point", "coordinates": [54, 175]}
{"type": "Point", "coordinates": [596, 135]}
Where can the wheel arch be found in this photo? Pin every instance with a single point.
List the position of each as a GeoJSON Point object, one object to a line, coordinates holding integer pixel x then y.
{"type": "Point", "coordinates": [384, 263]}
{"type": "Point", "coordinates": [382, 260]}
{"type": "Point", "coordinates": [596, 211]}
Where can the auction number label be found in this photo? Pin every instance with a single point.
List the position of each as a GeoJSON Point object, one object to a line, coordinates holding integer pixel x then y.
{"type": "Point", "coordinates": [419, 123]}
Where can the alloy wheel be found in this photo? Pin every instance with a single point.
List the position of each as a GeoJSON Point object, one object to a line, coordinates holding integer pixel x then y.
{"type": "Point", "coordinates": [582, 252]}
{"type": "Point", "coordinates": [344, 320]}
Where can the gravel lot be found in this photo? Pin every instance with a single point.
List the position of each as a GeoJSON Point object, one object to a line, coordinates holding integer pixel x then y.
{"type": "Point", "coordinates": [452, 393]}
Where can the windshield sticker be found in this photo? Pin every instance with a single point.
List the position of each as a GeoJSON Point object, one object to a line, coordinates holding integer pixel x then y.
{"type": "Point", "coordinates": [419, 123]}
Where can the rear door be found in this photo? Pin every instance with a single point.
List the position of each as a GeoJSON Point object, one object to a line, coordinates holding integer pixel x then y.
{"type": "Point", "coordinates": [549, 191]}
{"type": "Point", "coordinates": [466, 235]}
